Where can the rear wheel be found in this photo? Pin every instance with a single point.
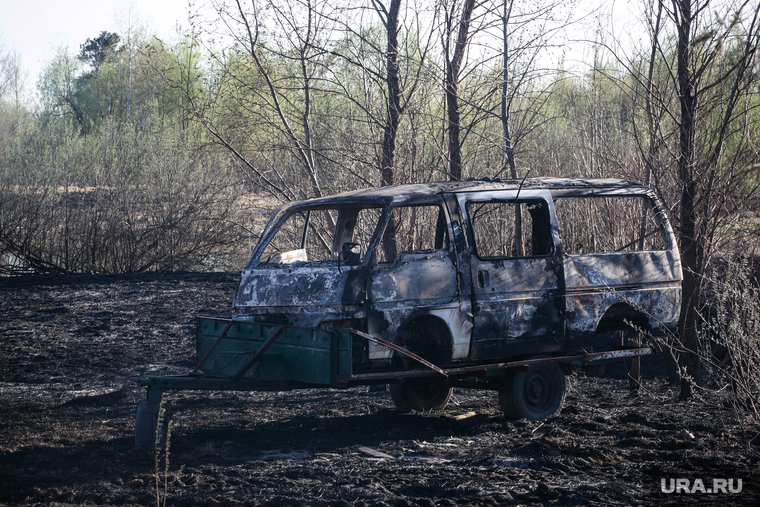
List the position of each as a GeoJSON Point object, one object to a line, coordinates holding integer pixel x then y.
{"type": "Point", "coordinates": [534, 394]}
{"type": "Point", "coordinates": [420, 397]}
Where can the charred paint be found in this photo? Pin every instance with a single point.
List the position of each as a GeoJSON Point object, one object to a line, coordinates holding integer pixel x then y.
{"type": "Point", "coordinates": [648, 282]}
{"type": "Point", "coordinates": [489, 309]}
{"type": "Point", "coordinates": [416, 277]}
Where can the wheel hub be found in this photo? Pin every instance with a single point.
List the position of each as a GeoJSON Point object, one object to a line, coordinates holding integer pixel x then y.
{"type": "Point", "coordinates": [537, 390]}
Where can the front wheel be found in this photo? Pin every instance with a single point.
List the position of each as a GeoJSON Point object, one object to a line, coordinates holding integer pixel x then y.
{"type": "Point", "coordinates": [420, 397]}
{"type": "Point", "coordinates": [534, 394]}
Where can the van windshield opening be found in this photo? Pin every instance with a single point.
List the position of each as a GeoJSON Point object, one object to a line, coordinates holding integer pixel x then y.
{"type": "Point", "coordinates": [316, 236]}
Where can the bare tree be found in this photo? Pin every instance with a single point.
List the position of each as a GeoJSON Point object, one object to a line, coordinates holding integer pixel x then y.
{"type": "Point", "coordinates": [451, 82]}
{"type": "Point", "coordinates": [706, 182]}
{"type": "Point", "coordinates": [389, 17]}
{"type": "Point", "coordinates": [266, 78]}
{"type": "Point", "coordinates": [514, 84]}
{"type": "Point", "coordinates": [12, 76]}
{"type": "Point", "coordinates": [698, 112]}
{"type": "Point", "coordinates": [651, 142]}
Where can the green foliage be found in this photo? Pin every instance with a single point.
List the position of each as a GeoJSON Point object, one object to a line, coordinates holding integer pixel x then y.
{"type": "Point", "coordinates": [110, 176]}
{"type": "Point", "coordinates": [136, 134]}
{"type": "Point", "coordinates": [97, 51]}
{"type": "Point", "coordinates": [133, 83]}
{"type": "Point", "coordinates": [57, 88]}
{"type": "Point", "coordinates": [124, 200]}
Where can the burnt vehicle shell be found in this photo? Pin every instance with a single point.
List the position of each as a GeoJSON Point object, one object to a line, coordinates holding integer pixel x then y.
{"type": "Point", "coordinates": [501, 285]}
{"type": "Point", "coordinates": [451, 304]}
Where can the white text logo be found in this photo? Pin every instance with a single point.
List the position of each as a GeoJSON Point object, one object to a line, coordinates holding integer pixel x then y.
{"type": "Point", "coordinates": [698, 486]}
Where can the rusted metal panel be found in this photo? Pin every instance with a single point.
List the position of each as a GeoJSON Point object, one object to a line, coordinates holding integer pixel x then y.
{"type": "Point", "coordinates": [647, 281]}
{"type": "Point", "coordinates": [489, 308]}
{"type": "Point", "coordinates": [298, 287]}
{"type": "Point", "coordinates": [517, 302]}
{"type": "Point", "coordinates": [428, 277]}
{"type": "Point", "coordinates": [387, 321]}
{"type": "Point", "coordinates": [417, 284]}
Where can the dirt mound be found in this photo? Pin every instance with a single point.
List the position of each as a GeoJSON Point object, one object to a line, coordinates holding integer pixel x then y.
{"type": "Point", "coordinates": [72, 350]}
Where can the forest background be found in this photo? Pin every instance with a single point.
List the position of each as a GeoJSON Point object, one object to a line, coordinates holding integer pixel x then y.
{"type": "Point", "coordinates": [145, 155]}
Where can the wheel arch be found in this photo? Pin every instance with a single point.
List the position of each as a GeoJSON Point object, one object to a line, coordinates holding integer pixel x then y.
{"type": "Point", "coordinates": [623, 316]}
{"type": "Point", "coordinates": [427, 335]}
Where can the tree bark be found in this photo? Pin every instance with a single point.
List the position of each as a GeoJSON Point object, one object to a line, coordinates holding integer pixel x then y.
{"type": "Point", "coordinates": [518, 249]}
{"type": "Point", "coordinates": [387, 161]}
{"type": "Point", "coordinates": [394, 95]}
{"type": "Point", "coordinates": [453, 66]}
{"type": "Point", "coordinates": [690, 253]}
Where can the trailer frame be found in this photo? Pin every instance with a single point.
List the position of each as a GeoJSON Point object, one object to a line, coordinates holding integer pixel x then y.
{"type": "Point", "coordinates": [248, 356]}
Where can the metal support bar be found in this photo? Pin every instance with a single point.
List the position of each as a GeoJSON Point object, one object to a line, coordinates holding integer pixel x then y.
{"type": "Point", "coordinates": [495, 369]}
{"type": "Point", "coordinates": [260, 352]}
{"type": "Point", "coordinates": [205, 356]}
{"type": "Point", "coordinates": [146, 421]}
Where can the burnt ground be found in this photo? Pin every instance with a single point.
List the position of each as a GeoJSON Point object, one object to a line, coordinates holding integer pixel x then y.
{"type": "Point", "coordinates": [73, 348]}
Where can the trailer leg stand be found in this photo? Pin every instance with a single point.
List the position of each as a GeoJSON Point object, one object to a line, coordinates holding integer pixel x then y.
{"type": "Point", "coordinates": [634, 376]}
{"type": "Point", "coordinates": [146, 422]}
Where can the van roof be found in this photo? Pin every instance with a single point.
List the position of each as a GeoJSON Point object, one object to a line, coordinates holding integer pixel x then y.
{"type": "Point", "coordinates": [415, 191]}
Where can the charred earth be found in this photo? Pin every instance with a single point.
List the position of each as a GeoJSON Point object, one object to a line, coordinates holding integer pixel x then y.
{"type": "Point", "coordinates": [73, 348]}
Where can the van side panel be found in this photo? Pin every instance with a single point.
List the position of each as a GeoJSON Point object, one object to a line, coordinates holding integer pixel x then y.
{"type": "Point", "coordinates": [649, 281]}
{"type": "Point", "coordinates": [414, 285]}
{"type": "Point", "coordinates": [518, 310]}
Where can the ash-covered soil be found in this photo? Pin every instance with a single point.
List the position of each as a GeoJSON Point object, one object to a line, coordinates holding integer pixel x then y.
{"type": "Point", "coordinates": [73, 348]}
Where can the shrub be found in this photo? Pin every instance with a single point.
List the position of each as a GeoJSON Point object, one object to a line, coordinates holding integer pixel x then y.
{"type": "Point", "coordinates": [730, 336]}
{"type": "Point", "coordinates": [122, 200]}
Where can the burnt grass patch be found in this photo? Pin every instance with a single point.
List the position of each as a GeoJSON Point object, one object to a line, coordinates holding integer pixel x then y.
{"type": "Point", "coordinates": [73, 348]}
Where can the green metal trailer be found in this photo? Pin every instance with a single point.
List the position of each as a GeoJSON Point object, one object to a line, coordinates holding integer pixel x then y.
{"type": "Point", "coordinates": [248, 356]}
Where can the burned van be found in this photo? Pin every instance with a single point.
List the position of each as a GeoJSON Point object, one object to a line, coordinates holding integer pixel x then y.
{"type": "Point", "coordinates": [462, 274]}
{"type": "Point", "coordinates": [501, 285]}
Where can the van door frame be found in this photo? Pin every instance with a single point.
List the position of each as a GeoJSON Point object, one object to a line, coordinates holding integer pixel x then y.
{"type": "Point", "coordinates": [390, 306]}
{"type": "Point", "coordinates": [510, 319]}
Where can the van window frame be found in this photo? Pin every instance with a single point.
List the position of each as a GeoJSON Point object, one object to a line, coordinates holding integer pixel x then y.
{"type": "Point", "coordinates": [443, 218]}
{"type": "Point", "coordinates": [657, 213]}
{"type": "Point", "coordinates": [283, 214]}
{"type": "Point", "coordinates": [525, 197]}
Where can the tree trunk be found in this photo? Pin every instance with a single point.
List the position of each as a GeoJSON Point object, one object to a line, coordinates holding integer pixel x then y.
{"type": "Point", "coordinates": [674, 375]}
{"type": "Point", "coordinates": [393, 120]}
{"type": "Point", "coordinates": [394, 96]}
{"type": "Point", "coordinates": [452, 92]}
{"type": "Point", "coordinates": [518, 248]}
{"type": "Point", "coordinates": [689, 242]}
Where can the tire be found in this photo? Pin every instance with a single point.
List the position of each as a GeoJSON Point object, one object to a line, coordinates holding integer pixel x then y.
{"type": "Point", "coordinates": [534, 394]}
{"type": "Point", "coordinates": [420, 397]}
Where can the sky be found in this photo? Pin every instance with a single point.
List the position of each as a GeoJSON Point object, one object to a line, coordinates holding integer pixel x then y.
{"type": "Point", "coordinates": [37, 27]}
